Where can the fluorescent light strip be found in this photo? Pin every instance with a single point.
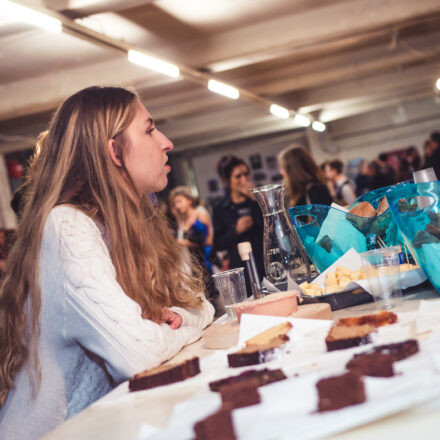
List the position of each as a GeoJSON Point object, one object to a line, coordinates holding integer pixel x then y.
{"type": "Point", "coordinates": [33, 17]}
{"type": "Point", "coordinates": [144, 60]}
{"type": "Point", "coordinates": [437, 84]}
{"type": "Point", "coordinates": [302, 120]}
{"type": "Point", "coordinates": [279, 111]}
{"type": "Point", "coordinates": [318, 126]}
{"type": "Point", "coordinates": [223, 89]}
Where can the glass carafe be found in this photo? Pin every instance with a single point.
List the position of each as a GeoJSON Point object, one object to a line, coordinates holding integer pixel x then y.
{"type": "Point", "coordinates": [284, 254]}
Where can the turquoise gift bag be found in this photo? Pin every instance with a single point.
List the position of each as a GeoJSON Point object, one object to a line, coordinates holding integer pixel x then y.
{"type": "Point", "coordinates": [383, 226]}
{"type": "Point", "coordinates": [416, 210]}
{"type": "Point", "coordinates": [327, 232]}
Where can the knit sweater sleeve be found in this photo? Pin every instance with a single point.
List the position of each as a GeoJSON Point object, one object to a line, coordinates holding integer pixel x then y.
{"type": "Point", "coordinates": [98, 314]}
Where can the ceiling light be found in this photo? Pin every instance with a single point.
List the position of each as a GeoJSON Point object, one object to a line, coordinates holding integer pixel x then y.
{"type": "Point", "coordinates": [223, 89]}
{"type": "Point", "coordinates": [302, 120]}
{"type": "Point", "coordinates": [437, 84]}
{"type": "Point", "coordinates": [144, 60]}
{"type": "Point", "coordinates": [31, 16]}
{"type": "Point", "coordinates": [279, 111]}
{"type": "Point", "coordinates": [318, 126]}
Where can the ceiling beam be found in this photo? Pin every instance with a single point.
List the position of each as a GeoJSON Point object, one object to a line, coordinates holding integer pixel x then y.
{"type": "Point", "coordinates": [83, 8]}
{"type": "Point", "coordinates": [303, 30]}
{"type": "Point", "coordinates": [48, 91]}
{"type": "Point", "coordinates": [374, 86]}
{"type": "Point", "coordinates": [361, 106]}
{"type": "Point", "coordinates": [346, 66]}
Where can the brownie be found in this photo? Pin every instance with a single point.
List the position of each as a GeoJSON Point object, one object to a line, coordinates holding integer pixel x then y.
{"type": "Point", "coordinates": [373, 364]}
{"type": "Point", "coordinates": [398, 350]}
{"type": "Point", "coordinates": [164, 375]}
{"type": "Point", "coordinates": [217, 426]}
{"type": "Point", "coordinates": [340, 391]}
{"type": "Point", "coordinates": [341, 337]}
{"type": "Point", "coordinates": [377, 319]}
{"type": "Point", "coordinates": [240, 394]}
{"type": "Point", "coordinates": [264, 377]}
{"type": "Point", "coordinates": [258, 354]}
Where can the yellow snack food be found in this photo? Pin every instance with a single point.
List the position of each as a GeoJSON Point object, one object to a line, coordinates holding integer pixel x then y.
{"type": "Point", "coordinates": [311, 289]}
{"type": "Point", "coordinates": [342, 272]}
{"type": "Point", "coordinates": [340, 278]}
{"type": "Point", "coordinates": [332, 289]}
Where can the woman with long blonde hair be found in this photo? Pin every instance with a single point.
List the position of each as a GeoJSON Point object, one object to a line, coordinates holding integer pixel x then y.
{"type": "Point", "coordinates": [96, 288]}
{"type": "Point", "coordinates": [305, 181]}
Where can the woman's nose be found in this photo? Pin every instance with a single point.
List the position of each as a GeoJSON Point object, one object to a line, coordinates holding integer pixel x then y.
{"type": "Point", "coordinates": [167, 145]}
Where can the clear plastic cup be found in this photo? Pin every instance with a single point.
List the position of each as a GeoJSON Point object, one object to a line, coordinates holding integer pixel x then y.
{"type": "Point", "coordinates": [382, 268]}
{"type": "Point", "coordinates": [421, 176]}
{"type": "Point", "coordinates": [426, 175]}
{"type": "Point", "coordinates": [232, 288]}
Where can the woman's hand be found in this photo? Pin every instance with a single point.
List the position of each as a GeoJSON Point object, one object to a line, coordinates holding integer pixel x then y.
{"type": "Point", "coordinates": [174, 320]}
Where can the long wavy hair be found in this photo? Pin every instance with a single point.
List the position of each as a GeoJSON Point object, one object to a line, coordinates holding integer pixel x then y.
{"type": "Point", "coordinates": [300, 169]}
{"type": "Point", "coordinates": [73, 166]}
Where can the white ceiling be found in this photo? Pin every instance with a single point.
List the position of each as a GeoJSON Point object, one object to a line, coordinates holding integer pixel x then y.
{"type": "Point", "coordinates": [333, 58]}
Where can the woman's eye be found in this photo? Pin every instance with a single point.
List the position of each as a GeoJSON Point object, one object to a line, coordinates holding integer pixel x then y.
{"type": "Point", "coordinates": [149, 131]}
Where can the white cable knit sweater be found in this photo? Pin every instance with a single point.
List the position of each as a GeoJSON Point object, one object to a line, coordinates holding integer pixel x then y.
{"type": "Point", "coordinates": [92, 334]}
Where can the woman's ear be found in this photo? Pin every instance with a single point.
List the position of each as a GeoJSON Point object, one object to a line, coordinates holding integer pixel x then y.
{"type": "Point", "coordinates": [113, 151]}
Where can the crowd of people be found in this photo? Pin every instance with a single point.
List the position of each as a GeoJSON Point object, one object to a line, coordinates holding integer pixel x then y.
{"type": "Point", "coordinates": [237, 217]}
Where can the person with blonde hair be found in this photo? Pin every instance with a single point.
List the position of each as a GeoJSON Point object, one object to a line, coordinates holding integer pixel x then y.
{"type": "Point", "coordinates": [305, 181]}
{"type": "Point", "coordinates": [96, 288]}
{"type": "Point", "coordinates": [193, 226]}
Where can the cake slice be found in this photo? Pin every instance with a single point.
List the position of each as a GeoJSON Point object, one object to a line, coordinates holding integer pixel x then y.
{"type": "Point", "coordinates": [341, 337]}
{"type": "Point", "coordinates": [398, 350]}
{"type": "Point", "coordinates": [270, 334]}
{"type": "Point", "coordinates": [373, 364]}
{"type": "Point", "coordinates": [240, 394]}
{"type": "Point", "coordinates": [264, 347]}
{"type": "Point", "coordinates": [376, 319]}
{"type": "Point", "coordinates": [217, 426]}
{"type": "Point", "coordinates": [340, 391]}
{"type": "Point", "coordinates": [259, 353]}
{"type": "Point", "coordinates": [264, 377]}
{"type": "Point", "coordinates": [164, 375]}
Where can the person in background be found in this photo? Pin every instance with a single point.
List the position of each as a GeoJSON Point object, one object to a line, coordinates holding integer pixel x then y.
{"type": "Point", "coordinates": [305, 181]}
{"type": "Point", "coordinates": [237, 216]}
{"type": "Point", "coordinates": [385, 174]}
{"type": "Point", "coordinates": [432, 150]}
{"type": "Point", "coordinates": [344, 192]}
{"type": "Point", "coordinates": [206, 217]}
{"type": "Point", "coordinates": [410, 163]}
{"type": "Point", "coordinates": [193, 225]}
{"type": "Point", "coordinates": [363, 179]}
{"type": "Point", "coordinates": [329, 184]}
{"type": "Point", "coordinates": [3, 252]}
{"type": "Point", "coordinates": [96, 288]}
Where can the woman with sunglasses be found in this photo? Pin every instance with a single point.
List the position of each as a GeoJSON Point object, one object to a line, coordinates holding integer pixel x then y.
{"type": "Point", "coordinates": [237, 217]}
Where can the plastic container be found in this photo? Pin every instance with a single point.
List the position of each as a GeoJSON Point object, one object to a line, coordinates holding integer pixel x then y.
{"type": "Point", "coordinates": [420, 226]}
{"type": "Point", "coordinates": [327, 232]}
{"type": "Point", "coordinates": [382, 267]}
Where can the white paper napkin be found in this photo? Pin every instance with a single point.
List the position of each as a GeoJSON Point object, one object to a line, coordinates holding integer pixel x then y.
{"type": "Point", "coordinates": [252, 325]}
